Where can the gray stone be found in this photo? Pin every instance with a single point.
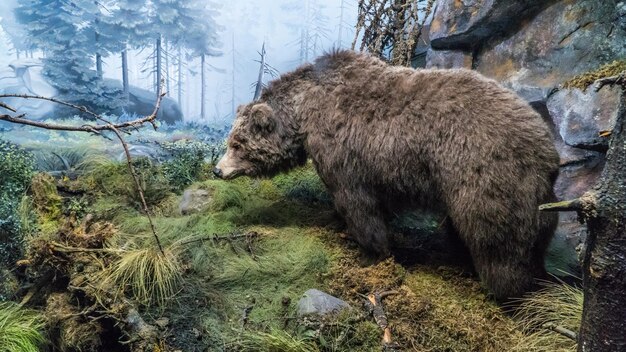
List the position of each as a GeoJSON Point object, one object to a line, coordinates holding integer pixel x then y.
{"type": "Point", "coordinates": [465, 24]}
{"type": "Point", "coordinates": [581, 116]}
{"type": "Point", "coordinates": [563, 40]}
{"type": "Point", "coordinates": [195, 201]}
{"type": "Point", "coordinates": [448, 59]}
{"type": "Point", "coordinates": [316, 302]}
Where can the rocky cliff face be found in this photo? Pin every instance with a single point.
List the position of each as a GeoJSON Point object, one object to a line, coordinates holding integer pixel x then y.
{"type": "Point", "coordinates": [534, 47]}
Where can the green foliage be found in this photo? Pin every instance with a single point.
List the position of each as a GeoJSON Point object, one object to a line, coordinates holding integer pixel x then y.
{"type": "Point", "coordinates": [187, 160]}
{"type": "Point", "coordinates": [16, 171]}
{"type": "Point", "coordinates": [302, 184]}
{"type": "Point", "coordinates": [16, 168]}
{"type": "Point", "coordinates": [61, 160]}
{"type": "Point", "coordinates": [20, 329]}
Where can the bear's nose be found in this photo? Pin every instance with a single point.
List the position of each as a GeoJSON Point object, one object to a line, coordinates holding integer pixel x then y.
{"type": "Point", "coordinates": [217, 172]}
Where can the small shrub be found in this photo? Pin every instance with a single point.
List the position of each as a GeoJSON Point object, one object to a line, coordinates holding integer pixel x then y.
{"type": "Point", "coordinates": [150, 276]}
{"type": "Point", "coordinates": [20, 329]}
{"type": "Point", "coordinates": [302, 184]}
{"type": "Point", "coordinates": [558, 304]}
{"type": "Point", "coordinates": [16, 171]}
{"type": "Point", "coordinates": [187, 160]}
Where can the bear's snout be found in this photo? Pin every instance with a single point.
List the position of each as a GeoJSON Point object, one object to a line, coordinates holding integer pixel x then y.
{"type": "Point", "coordinates": [217, 172]}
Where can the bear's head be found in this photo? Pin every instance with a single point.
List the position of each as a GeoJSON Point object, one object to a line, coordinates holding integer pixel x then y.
{"type": "Point", "coordinates": [261, 143]}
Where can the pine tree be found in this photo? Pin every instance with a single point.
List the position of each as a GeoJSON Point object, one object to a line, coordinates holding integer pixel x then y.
{"type": "Point", "coordinates": [130, 23]}
{"type": "Point", "coordinates": [68, 48]}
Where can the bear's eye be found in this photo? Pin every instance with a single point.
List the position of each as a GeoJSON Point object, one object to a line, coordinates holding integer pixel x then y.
{"type": "Point", "coordinates": [235, 146]}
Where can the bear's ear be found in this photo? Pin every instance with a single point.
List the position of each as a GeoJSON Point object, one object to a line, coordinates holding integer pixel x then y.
{"type": "Point", "coordinates": [262, 118]}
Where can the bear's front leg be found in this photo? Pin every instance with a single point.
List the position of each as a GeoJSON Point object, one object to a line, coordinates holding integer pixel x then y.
{"type": "Point", "coordinates": [364, 220]}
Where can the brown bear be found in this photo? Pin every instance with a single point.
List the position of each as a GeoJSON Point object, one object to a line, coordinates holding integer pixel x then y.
{"type": "Point", "coordinates": [384, 137]}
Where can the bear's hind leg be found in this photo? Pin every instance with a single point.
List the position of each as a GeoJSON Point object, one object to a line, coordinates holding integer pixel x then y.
{"type": "Point", "coordinates": [364, 219]}
{"type": "Point", "coordinates": [506, 274]}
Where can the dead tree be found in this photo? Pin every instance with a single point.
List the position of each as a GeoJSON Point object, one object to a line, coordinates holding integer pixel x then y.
{"type": "Point", "coordinates": [603, 208]}
{"type": "Point", "coordinates": [391, 29]}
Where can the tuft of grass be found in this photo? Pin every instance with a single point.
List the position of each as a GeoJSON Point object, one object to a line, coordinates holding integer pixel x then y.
{"type": "Point", "coordinates": [273, 341]}
{"type": "Point", "coordinates": [149, 276]}
{"type": "Point", "coordinates": [558, 304]}
{"type": "Point", "coordinates": [20, 329]}
{"type": "Point", "coordinates": [586, 79]}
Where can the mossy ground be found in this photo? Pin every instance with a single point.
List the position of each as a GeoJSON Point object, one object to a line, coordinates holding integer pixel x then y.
{"type": "Point", "coordinates": [296, 243]}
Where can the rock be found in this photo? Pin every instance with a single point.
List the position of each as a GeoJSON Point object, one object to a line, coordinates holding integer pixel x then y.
{"type": "Point", "coordinates": [448, 59]}
{"type": "Point", "coordinates": [25, 77]}
{"type": "Point", "coordinates": [195, 201]}
{"type": "Point", "coordinates": [563, 40]}
{"type": "Point", "coordinates": [581, 116]}
{"type": "Point", "coordinates": [141, 151]}
{"type": "Point", "coordinates": [142, 101]}
{"type": "Point", "coordinates": [316, 302]}
{"type": "Point", "coordinates": [465, 24]}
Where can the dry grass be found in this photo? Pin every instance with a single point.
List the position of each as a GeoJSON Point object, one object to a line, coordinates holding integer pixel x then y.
{"type": "Point", "coordinates": [558, 304]}
{"type": "Point", "coordinates": [273, 341]}
{"type": "Point", "coordinates": [148, 275]}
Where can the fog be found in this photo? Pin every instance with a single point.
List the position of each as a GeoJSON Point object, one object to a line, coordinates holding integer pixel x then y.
{"type": "Point", "coordinates": [245, 25]}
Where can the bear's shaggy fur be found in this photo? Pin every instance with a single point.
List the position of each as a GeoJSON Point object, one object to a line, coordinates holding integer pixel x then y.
{"type": "Point", "coordinates": [384, 137]}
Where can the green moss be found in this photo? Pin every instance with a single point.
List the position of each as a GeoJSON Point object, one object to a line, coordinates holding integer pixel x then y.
{"type": "Point", "coordinates": [584, 80]}
{"type": "Point", "coordinates": [114, 179]}
{"type": "Point", "coordinates": [47, 202]}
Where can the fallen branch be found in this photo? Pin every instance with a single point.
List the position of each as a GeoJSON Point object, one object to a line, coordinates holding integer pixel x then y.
{"type": "Point", "coordinates": [374, 303]}
{"type": "Point", "coordinates": [613, 80]}
{"type": "Point", "coordinates": [566, 205]}
{"type": "Point", "coordinates": [216, 238]}
{"type": "Point", "coordinates": [561, 330]}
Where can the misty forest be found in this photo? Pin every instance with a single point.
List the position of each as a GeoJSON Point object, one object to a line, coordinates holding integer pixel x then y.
{"type": "Point", "coordinates": [312, 175]}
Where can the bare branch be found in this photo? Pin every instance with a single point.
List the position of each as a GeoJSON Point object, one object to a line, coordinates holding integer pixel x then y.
{"type": "Point", "coordinates": [566, 205]}
{"type": "Point", "coordinates": [617, 79]}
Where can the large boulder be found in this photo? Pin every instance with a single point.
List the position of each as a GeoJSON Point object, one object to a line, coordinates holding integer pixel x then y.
{"type": "Point", "coordinates": [465, 24]}
{"type": "Point", "coordinates": [195, 201]}
{"type": "Point", "coordinates": [580, 116]}
{"type": "Point", "coordinates": [26, 77]}
{"type": "Point", "coordinates": [568, 38]}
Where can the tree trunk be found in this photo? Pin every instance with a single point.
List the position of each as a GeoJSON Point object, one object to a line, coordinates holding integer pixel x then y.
{"type": "Point", "coordinates": [232, 88]}
{"type": "Point", "coordinates": [180, 77]}
{"type": "Point", "coordinates": [340, 37]}
{"type": "Point", "coordinates": [157, 67]}
{"type": "Point", "coordinates": [167, 68]}
{"type": "Point", "coordinates": [125, 84]}
{"type": "Point", "coordinates": [603, 326]}
{"type": "Point", "coordinates": [17, 53]}
{"type": "Point", "coordinates": [202, 89]}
